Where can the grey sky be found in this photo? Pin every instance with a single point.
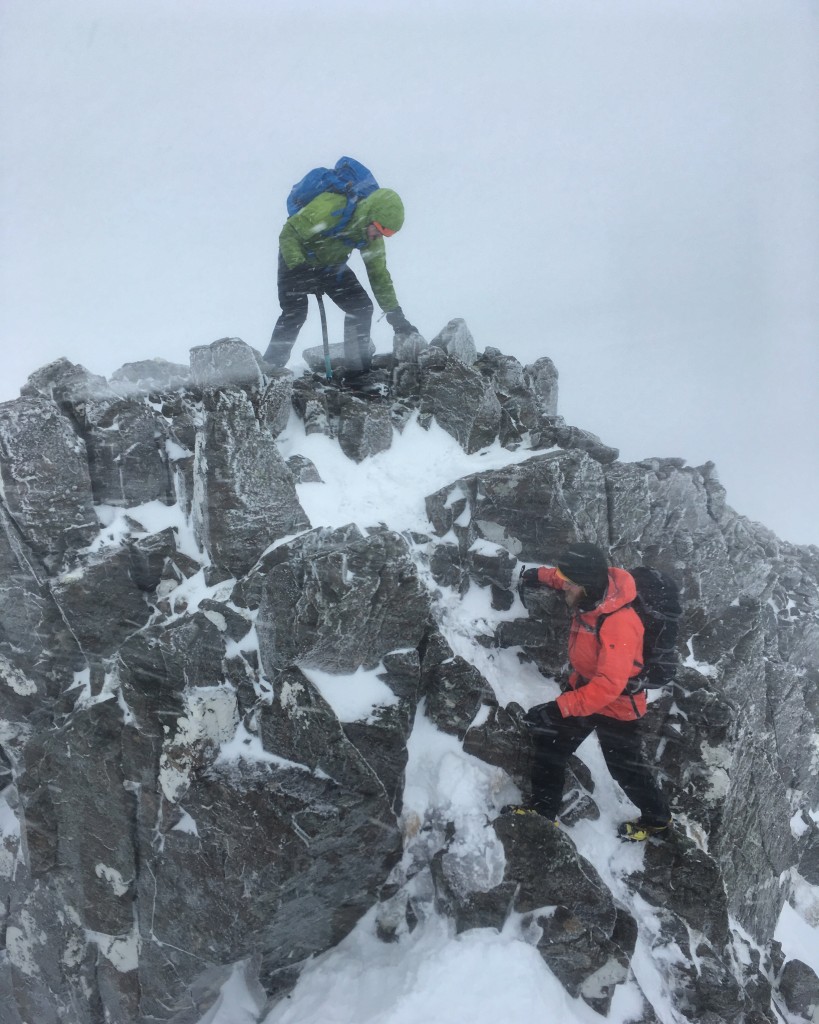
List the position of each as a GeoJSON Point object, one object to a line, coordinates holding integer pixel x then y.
{"type": "Point", "coordinates": [631, 188]}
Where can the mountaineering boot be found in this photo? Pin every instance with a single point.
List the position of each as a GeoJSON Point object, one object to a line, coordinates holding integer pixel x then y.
{"type": "Point", "coordinates": [525, 811]}
{"type": "Point", "coordinates": [638, 831]}
{"type": "Point", "coordinates": [519, 809]}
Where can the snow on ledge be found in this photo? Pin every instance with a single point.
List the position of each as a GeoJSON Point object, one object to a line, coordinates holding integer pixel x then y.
{"type": "Point", "coordinates": [357, 697]}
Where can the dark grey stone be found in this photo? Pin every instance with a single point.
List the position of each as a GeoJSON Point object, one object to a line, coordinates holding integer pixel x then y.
{"type": "Point", "coordinates": [303, 470]}
{"type": "Point", "coordinates": [799, 988]}
{"type": "Point", "coordinates": [147, 376]}
{"type": "Point", "coordinates": [364, 427]}
{"type": "Point", "coordinates": [226, 362]}
{"type": "Point", "coordinates": [337, 600]}
{"type": "Point", "coordinates": [101, 602]}
{"type": "Point", "coordinates": [454, 689]}
{"type": "Point", "coordinates": [148, 557]}
{"type": "Point", "coordinates": [247, 493]}
{"type": "Point", "coordinates": [460, 400]}
{"type": "Point", "coordinates": [533, 509]}
{"type": "Point", "coordinates": [457, 341]}
{"type": "Point", "coordinates": [45, 479]}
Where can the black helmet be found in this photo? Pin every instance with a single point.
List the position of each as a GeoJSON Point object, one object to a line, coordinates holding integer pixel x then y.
{"type": "Point", "coordinates": [586, 566]}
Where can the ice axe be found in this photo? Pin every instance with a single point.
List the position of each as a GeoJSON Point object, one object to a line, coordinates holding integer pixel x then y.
{"type": "Point", "coordinates": [328, 371]}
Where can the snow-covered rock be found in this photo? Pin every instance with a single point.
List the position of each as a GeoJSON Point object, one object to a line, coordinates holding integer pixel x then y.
{"type": "Point", "coordinates": [263, 662]}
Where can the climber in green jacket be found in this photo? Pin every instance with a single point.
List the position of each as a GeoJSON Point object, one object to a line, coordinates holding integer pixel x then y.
{"type": "Point", "coordinates": [312, 260]}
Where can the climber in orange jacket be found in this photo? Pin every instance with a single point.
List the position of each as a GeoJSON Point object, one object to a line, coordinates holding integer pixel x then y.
{"type": "Point", "coordinates": [605, 651]}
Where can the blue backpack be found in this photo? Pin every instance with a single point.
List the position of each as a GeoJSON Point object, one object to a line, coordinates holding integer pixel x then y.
{"type": "Point", "coordinates": [348, 178]}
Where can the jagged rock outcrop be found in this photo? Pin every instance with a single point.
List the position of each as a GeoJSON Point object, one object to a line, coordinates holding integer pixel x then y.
{"type": "Point", "coordinates": [244, 493]}
{"type": "Point", "coordinates": [189, 777]}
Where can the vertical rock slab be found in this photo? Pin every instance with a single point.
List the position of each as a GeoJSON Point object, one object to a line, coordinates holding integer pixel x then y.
{"type": "Point", "coordinates": [44, 479]}
{"type": "Point", "coordinates": [100, 602]}
{"type": "Point", "coordinates": [34, 641]}
{"type": "Point", "coordinates": [89, 814]}
{"type": "Point", "coordinates": [754, 845]}
{"type": "Point", "coordinates": [71, 915]}
{"type": "Point", "coordinates": [244, 494]}
{"type": "Point", "coordinates": [126, 452]}
{"type": "Point", "coordinates": [681, 535]}
{"type": "Point", "coordinates": [684, 886]}
{"type": "Point", "coordinates": [521, 409]}
{"type": "Point", "coordinates": [542, 378]}
{"type": "Point", "coordinates": [460, 399]}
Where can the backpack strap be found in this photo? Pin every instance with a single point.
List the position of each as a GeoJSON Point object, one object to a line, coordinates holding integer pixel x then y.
{"type": "Point", "coordinates": [633, 684]}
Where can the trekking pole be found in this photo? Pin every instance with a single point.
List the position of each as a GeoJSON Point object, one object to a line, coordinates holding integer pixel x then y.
{"type": "Point", "coordinates": [328, 371]}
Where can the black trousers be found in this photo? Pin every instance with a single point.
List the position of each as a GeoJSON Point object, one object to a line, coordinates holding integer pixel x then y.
{"type": "Point", "coordinates": [621, 743]}
{"type": "Point", "coordinates": [342, 286]}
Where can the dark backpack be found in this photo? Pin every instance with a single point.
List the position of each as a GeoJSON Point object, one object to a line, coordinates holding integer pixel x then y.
{"type": "Point", "coordinates": [348, 178]}
{"type": "Point", "coordinates": [658, 605]}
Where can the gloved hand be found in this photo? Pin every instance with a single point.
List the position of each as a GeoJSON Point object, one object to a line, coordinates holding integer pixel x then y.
{"type": "Point", "coordinates": [529, 577]}
{"type": "Point", "coordinates": [544, 716]}
{"type": "Point", "coordinates": [399, 323]}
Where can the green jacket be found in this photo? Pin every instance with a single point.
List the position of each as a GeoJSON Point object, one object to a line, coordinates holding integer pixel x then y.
{"type": "Point", "coordinates": [303, 238]}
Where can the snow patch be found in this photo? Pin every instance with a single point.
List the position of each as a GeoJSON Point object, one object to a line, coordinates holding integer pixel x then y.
{"type": "Point", "coordinates": [22, 940]}
{"type": "Point", "coordinates": [113, 878]}
{"type": "Point", "coordinates": [356, 697]}
{"type": "Point", "coordinates": [209, 718]}
{"type": "Point", "coordinates": [244, 746]}
{"type": "Point", "coordinates": [9, 838]}
{"type": "Point", "coordinates": [432, 976]}
{"type": "Point", "coordinates": [121, 951]}
{"type": "Point", "coordinates": [389, 487]}
{"type": "Point", "coordinates": [153, 517]}
{"type": "Point", "coordinates": [799, 937]}
{"type": "Point", "coordinates": [798, 825]}
{"type": "Point", "coordinates": [240, 1000]}
{"type": "Point", "coordinates": [15, 680]}
{"type": "Point", "coordinates": [719, 760]}
{"type": "Point", "coordinates": [186, 824]}
{"type": "Point", "coordinates": [704, 669]}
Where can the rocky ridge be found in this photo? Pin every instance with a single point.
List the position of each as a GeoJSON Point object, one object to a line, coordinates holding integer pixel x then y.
{"type": "Point", "coordinates": [179, 796]}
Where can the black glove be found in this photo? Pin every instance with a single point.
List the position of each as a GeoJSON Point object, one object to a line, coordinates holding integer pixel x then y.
{"type": "Point", "coordinates": [529, 577]}
{"type": "Point", "coordinates": [399, 323]}
{"type": "Point", "coordinates": [544, 716]}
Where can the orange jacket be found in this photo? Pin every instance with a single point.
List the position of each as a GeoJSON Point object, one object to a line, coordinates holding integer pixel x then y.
{"type": "Point", "coordinates": [603, 663]}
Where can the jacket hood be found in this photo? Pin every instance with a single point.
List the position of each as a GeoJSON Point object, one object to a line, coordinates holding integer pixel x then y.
{"type": "Point", "coordinates": [621, 591]}
{"type": "Point", "coordinates": [383, 205]}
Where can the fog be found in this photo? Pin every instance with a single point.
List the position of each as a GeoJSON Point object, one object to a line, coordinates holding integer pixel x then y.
{"type": "Point", "coordinates": [628, 188]}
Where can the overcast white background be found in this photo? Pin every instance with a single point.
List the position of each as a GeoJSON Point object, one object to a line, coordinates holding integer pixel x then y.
{"type": "Point", "coordinates": [628, 187]}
